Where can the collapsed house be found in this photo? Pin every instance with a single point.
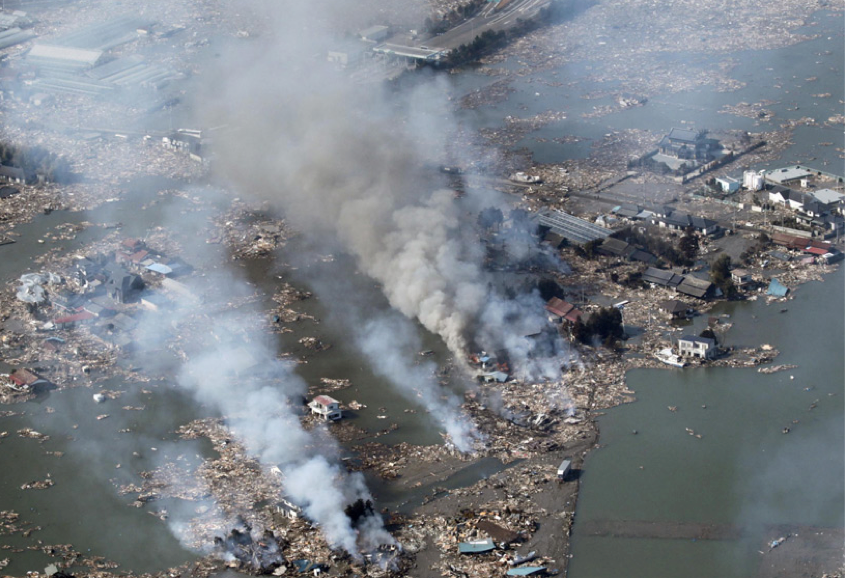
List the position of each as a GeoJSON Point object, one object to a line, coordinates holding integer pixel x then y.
{"type": "Point", "coordinates": [22, 380]}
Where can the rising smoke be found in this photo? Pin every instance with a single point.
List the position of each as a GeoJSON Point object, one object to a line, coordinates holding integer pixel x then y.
{"type": "Point", "coordinates": [231, 367]}
{"type": "Point", "coordinates": [343, 161]}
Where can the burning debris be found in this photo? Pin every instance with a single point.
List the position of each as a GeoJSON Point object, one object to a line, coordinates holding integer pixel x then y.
{"type": "Point", "coordinates": [249, 550]}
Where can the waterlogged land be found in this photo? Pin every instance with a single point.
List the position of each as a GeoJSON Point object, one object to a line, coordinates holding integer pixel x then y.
{"type": "Point", "coordinates": [326, 265]}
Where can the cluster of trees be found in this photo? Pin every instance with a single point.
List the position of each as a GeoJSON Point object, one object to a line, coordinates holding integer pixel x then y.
{"type": "Point", "coordinates": [483, 43]}
{"type": "Point", "coordinates": [604, 324]}
{"type": "Point", "coordinates": [720, 275]}
{"type": "Point", "coordinates": [37, 163]}
{"type": "Point", "coordinates": [688, 245]}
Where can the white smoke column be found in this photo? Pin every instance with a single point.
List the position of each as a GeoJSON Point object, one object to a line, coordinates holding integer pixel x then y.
{"type": "Point", "coordinates": [264, 419]}
{"type": "Point", "coordinates": [343, 161]}
{"type": "Point", "coordinates": [389, 341]}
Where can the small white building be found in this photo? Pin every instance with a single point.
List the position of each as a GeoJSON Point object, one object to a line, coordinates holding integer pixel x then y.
{"type": "Point", "coordinates": [728, 184]}
{"type": "Point", "coordinates": [697, 346]}
{"type": "Point", "coordinates": [326, 407]}
{"type": "Point", "coordinates": [288, 509]}
{"type": "Point", "coordinates": [741, 277]}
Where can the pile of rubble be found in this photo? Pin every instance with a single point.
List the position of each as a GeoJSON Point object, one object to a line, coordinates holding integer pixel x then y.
{"type": "Point", "coordinates": [493, 93]}
{"type": "Point", "coordinates": [757, 111]}
{"type": "Point", "coordinates": [248, 232]}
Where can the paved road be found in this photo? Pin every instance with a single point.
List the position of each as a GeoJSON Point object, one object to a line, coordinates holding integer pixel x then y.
{"type": "Point", "coordinates": [488, 19]}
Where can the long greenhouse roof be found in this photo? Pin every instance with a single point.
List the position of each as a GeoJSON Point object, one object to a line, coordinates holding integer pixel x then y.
{"type": "Point", "coordinates": [573, 228]}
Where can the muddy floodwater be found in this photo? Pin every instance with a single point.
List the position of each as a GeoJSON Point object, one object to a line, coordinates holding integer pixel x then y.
{"type": "Point", "coordinates": [88, 459]}
{"type": "Point", "coordinates": [744, 473]}
{"type": "Point", "coordinates": [661, 502]}
{"type": "Point", "coordinates": [788, 80]}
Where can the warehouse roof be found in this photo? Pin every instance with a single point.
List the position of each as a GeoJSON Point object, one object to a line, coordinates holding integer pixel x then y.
{"type": "Point", "coordinates": [573, 228]}
{"type": "Point", "coordinates": [65, 53]}
{"type": "Point", "coordinates": [13, 36]}
{"type": "Point", "coordinates": [787, 174]}
{"type": "Point", "coordinates": [828, 196]}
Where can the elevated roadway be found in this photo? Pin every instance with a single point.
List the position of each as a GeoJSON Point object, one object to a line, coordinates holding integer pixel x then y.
{"type": "Point", "coordinates": [495, 16]}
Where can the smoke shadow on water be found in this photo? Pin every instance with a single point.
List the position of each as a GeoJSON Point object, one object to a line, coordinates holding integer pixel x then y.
{"type": "Point", "coordinates": [88, 456]}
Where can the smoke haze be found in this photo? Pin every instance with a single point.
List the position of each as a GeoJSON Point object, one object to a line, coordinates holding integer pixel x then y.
{"type": "Point", "coordinates": [344, 161]}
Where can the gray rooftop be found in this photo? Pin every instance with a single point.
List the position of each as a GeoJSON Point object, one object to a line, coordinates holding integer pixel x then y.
{"type": "Point", "coordinates": [13, 36]}
{"type": "Point", "coordinates": [84, 57]}
{"type": "Point", "coordinates": [573, 228]}
{"type": "Point", "coordinates": [682, 135]}
{"type": "Point", "coordinates": [662, 277]}
{"type": "Point", "coordinates": [104, 35]}
{"type": "Point", "coordinates": [787, 174]}
{"type": "Point", "coordinates": [828, 196]}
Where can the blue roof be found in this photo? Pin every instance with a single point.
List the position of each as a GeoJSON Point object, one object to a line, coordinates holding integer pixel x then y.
{"type": "Point", "coordinates": [777, 289]}
{"type": "Point", "coordinates": [476, 547]}
{"type": "Point", "coordinates": [160, 268]}
{"type": "Point", "coordinates": [526, 570]}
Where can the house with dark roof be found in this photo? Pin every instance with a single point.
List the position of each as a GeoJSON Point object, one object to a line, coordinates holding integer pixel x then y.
{"type": "Point", "coordinates": [553, 239]}
{"type": "Point", "coordinates": [615, 247]}
{"type": "Point", "coordinates": [642, 256]}
{"type": "Point", "coordinates": [624, 250]}
{"type": "Point", "coordinates": [676, 309]}
{"type": "Point", "coordinates": [660, 277]}
{"type": "Point", "coordinates": [789, 197]}
{"type": "Point", "coordinates": [12, 174]}
{"type": "Point", "coordinates": [632, 212]}
{"type": "Point", "coordinates": [681, 221]}
{"type": "Point", "coordinates": [697, 288]}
